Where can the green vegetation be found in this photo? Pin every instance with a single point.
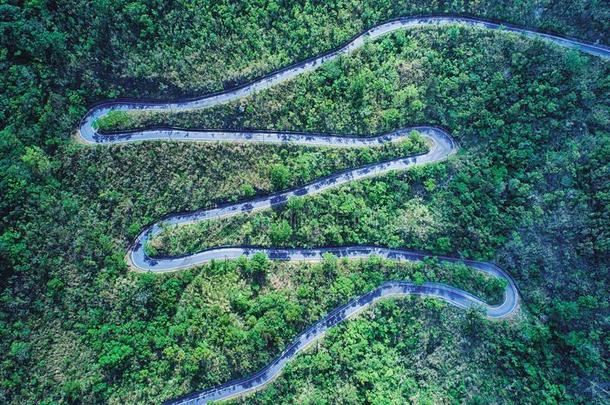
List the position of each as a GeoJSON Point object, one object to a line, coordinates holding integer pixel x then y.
{"type": "Point", "coordinates": [422, 351]}
{"type": "Point", "coordinates": [116, 120]}
{"type": "Point", "coordinates": [313, 221]}
{"type": "Point", "coordinates": [529, 191]}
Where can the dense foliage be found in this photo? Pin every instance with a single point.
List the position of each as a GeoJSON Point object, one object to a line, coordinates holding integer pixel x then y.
{"type": "Point", "coordinates": [530, 190]}
{"type": "Point", "coordinates": [513, 190]}
{"type": "Point", "coordinates": [424, 353]}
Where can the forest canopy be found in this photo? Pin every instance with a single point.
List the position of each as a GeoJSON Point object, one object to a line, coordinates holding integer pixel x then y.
{"type": "Point", "coordinates": [529, 191]}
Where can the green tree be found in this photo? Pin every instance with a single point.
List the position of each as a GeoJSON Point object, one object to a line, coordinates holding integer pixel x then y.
{"type": "Point", "coordinates": [280, 176]}
{"type": "Point", "coordinates": [280, 233]}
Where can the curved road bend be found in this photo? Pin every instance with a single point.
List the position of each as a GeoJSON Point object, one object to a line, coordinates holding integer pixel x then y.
{"type": "Point", "coordinates": [442, 145]}
{"type": "Point", "coordinates": [88, 134]}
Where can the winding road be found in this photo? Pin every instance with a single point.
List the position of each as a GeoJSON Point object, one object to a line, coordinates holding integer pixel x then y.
{"type": "Point", "coordinates": [441, 144]}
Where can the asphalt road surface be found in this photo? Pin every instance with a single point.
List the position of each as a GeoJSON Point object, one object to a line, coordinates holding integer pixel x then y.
{"type": "Point", "coordinates": [442, 146]}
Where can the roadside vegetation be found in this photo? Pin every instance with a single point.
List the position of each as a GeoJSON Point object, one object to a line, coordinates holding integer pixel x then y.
{"type": "Point", "coordinates": [529, 190]}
